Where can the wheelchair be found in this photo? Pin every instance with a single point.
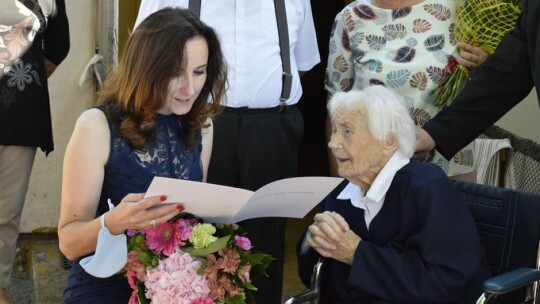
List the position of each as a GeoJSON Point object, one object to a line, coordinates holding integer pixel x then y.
{"type": "Point", "coordinates": [508, 222]}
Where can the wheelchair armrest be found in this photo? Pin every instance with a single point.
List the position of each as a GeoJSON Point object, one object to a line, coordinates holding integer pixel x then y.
{"type": "Point", "coordinates": [303, 297]}
{"type": "Point", "coordinates": [511, 280]}
{"type": "Point", "coordinates": [313, 294]}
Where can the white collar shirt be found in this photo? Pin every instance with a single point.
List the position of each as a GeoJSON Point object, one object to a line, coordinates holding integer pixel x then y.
{"type": "Point", "coordinates": [372, 201]}
{"type": "Point", "coordinates": [249, 39]}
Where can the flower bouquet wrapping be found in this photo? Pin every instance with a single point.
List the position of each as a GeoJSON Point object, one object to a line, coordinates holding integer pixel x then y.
{"type": "Point", "coordinates": [481, 23]}
{"type": "Point", "coordinates": [191, 262]}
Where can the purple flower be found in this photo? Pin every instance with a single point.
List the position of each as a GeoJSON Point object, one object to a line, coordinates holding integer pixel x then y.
{"type": "Point", "coordinates": [242, 242]}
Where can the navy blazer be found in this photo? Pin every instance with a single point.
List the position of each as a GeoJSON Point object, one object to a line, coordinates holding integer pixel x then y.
{"type": "Point", "coordinates": [422, 247]}
{"type": "Point", "coordinates": [500, 83]}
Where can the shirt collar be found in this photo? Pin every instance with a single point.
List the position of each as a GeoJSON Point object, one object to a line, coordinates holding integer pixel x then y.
{"type": "Point", "coordinates": [382, 182]}
{"type": "Point", "coordinates": [373, 200]}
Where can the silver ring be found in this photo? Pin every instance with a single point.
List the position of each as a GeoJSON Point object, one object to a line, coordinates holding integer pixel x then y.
{"type": "Point", "coordinates": [153, 223]}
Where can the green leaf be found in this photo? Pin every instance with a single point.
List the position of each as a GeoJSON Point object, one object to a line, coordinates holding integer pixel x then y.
{"type": "Point", "coordinates": [203, 252]}
{"type": "Point", "coordinates": [259, 262]}
{"type": "Point", "coordinates": [228, 230]}
{"type": "Point", "coordinates": [249, 286]}
{"type": "Point", "coordinates": [136, 241]}
{"type": "Point", "coordinates": [238, 299]}
{"type": "Point", "coordinates": [140, 294]}
{"type": "Point", "coordinates": [148, 258]}
{"type": "Point", "coordinates": [201, 269]}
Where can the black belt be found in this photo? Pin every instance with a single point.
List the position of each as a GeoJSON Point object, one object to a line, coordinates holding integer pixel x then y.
{"type": "Point", "coordinates": [256, 110]}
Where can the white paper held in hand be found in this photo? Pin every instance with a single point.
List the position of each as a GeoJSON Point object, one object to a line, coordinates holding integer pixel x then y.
{"type": "Point", "coordinates": [290, 197]}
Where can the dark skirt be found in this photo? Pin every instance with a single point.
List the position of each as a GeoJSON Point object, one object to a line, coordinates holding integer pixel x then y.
{"type": "Point", "coordinates": [83, 288]}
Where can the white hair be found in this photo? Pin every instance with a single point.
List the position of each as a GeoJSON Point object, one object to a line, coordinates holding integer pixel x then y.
{"type": "Point", "coordinates": [385, 111]}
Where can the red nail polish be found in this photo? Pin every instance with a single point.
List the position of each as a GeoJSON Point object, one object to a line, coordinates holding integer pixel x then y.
{"type": "Point", "coordinates": [180, 207]}
{"type": "Point", "coordinates": [163, 198]}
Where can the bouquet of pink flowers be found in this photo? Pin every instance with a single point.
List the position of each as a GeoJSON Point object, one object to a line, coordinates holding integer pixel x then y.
{"type": "Point", "coordinates": [191, 262]}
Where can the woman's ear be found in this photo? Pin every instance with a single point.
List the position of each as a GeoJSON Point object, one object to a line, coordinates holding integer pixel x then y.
{"type": "Point", "coordinates": [390, 145]}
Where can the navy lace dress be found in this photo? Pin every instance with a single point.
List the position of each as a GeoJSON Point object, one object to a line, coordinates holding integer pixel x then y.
{"type": "Point", "coordinates": [131, 171]}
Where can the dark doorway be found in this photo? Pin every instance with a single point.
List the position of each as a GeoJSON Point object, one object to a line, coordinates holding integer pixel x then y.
{"type": "Point", "coordinates": [313, 159]}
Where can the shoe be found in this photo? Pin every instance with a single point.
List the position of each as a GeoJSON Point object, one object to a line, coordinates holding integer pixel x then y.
{"type": "Point", "coordinates": [4, 299]}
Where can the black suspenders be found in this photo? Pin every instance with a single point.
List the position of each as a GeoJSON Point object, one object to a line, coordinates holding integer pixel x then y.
{"type": "Point", "coordinates": [281, 18]}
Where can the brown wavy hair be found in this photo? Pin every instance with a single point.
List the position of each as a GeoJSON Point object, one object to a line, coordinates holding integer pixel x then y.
{"type": "Point", "coordinates": [153, 55]}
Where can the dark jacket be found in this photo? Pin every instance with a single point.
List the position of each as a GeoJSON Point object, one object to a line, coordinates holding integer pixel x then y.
{"type": "Point", "coordinates": [25, 114]}
{"type": "Point", "coordinates": [422, 247]}
{"type": "Point", "coordinates": [500, 83]}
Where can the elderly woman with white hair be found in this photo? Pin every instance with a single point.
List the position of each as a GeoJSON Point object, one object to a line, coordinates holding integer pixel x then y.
{"type": "Point", "coordinates": [396, 230]}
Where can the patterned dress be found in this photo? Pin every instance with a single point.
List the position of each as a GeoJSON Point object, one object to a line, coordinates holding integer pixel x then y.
{"type": "Point", "coordinates": [404, 49]}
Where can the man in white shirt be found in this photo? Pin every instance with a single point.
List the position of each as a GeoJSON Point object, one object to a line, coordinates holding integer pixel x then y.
{"type": "Point", "coordinates": [255, 141]}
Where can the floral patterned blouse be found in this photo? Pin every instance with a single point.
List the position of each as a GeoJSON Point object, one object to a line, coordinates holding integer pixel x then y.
{"type": "Point", "coordinates": [404, 49]}
{"type": "Point", "coordinates": [30, 30]}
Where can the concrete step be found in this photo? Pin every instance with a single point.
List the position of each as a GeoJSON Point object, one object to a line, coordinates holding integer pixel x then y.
{"type": "Point", "coordinates": [49, 275]}
{"type": "Point", "coordinates": [38, 275]}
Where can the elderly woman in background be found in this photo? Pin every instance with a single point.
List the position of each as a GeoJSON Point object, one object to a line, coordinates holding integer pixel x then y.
{"type": "Point", "coordinates": [396, 230]}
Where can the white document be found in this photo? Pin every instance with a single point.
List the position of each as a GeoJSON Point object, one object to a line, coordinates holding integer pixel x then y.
{"type": "Point", "coordinates": [291, 197]}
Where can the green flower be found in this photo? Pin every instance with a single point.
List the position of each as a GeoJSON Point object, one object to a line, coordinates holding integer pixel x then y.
{"type": "Point", "coordinates": [202, 235]}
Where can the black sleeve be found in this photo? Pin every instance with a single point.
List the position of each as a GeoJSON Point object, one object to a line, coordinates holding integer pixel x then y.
{"type": "Point", "coordinates": [56, 38]}
{"type": "Point", "coordinates": [500, 83]}
{"type": "Point", "coordinates": [306, 261]}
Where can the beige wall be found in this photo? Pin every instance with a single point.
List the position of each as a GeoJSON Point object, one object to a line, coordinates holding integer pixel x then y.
{"type": "Point", "coordinates": [67, 102]}
{"type": "Point", "coordinates": [523, 120]}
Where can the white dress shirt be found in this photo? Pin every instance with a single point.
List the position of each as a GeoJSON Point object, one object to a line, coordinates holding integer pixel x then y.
{"type": "Point", "coordinates": [373, 200]}
{"type": "Point", "coordinates": [248, 33]}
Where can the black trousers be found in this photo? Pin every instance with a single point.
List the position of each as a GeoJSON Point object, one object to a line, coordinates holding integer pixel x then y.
{"type": "Point", "coordinates": [251, 148]}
